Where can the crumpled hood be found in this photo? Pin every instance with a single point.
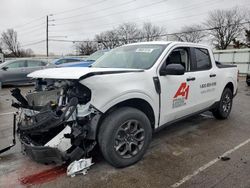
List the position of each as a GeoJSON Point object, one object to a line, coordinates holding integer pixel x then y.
{"type": "Point", "coordinates": [75, 73]}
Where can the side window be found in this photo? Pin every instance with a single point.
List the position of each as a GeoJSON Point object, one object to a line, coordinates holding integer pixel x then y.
{"type": "Point", "coordinates": [32, 63]}
{"type": "Point", "coordinates": [203, 61]}
{"type": "Point", "coordinates": [71, 60]}
{"type": "Point", "coordinates": [61, 61]}
{"type": "Point", "coordinates": [179, 56]}
{"type": "Point", "coordinates": [16, 64]}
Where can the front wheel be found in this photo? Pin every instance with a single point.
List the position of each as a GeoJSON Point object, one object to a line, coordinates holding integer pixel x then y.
{"type": "Point", "coordinates": [124, 136]}
{"type": "Point", "coordinates": [224, 107]}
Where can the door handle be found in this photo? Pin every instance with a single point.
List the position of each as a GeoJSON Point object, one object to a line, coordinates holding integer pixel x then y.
{"type": "Point", "coordinates": [212, 75]}
{"type": "Point", "coordinates": [190, 79]}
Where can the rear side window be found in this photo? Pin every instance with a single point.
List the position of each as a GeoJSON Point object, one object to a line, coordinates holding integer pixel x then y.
{"type": "Point", "coordinates": [31, 63]}
{"type": "Point", "coordinates": [71, 60]}
{"type": "Point", "coordinates": [203, 61]}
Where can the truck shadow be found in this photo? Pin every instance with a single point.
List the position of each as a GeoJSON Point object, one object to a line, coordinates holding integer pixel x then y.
{"type": "Point", "coordinates": [180, 128]}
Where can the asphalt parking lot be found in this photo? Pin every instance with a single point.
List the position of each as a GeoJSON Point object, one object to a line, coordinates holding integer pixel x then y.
{"type": "Point", "coordinates": [182, 155]}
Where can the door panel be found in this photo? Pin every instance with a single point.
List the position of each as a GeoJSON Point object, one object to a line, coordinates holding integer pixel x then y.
{"type": "Point", "coordinates": [33, 65]}
{"type": "Point", "coordinates": [177, 97]}
{"type": "Point", "coordinates": [15, 72]}
{"type": "Point", "coordinates": [205, 78]}
{"type": "Point", "coordinates": [178, 91]}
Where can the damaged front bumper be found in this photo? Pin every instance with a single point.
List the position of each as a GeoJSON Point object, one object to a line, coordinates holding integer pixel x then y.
{"type": "Point", "coordinates": [43, 154]}
{"type": "Point", "coordinates": [54, 126]}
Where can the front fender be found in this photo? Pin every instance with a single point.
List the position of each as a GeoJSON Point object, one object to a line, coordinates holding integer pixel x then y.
{"type": "Point", "coordinates": [126, 96]}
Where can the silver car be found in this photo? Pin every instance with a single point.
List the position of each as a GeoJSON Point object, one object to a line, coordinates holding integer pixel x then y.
{"type": "Point", "coordinates": [15, 71]}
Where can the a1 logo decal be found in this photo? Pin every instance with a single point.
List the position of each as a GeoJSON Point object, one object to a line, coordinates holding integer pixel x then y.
{"type": "Point", "coordinates": [182, 91]}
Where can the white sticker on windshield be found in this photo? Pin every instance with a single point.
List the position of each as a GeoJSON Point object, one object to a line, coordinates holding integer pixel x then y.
{"type": "Point", "coordinates": [144, 50]}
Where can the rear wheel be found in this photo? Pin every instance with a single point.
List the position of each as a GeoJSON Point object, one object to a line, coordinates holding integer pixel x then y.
{"type": "Point", "coordinates": [124, 136]}
{"type": "Point", "coordinates": [248, 83]}
{"type": "Point", "coordinates": [225, 105]}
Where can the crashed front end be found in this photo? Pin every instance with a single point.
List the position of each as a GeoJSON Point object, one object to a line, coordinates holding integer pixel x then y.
{"type": "Point", "coordinates": [54, 121]}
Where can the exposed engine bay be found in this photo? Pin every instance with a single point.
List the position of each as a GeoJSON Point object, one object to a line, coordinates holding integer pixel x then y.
{"type": "Point", "coordinates": [54, 121]}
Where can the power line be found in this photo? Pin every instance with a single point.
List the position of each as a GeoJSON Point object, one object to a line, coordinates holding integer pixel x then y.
{"type": "Point", "coordinates": [36, 39]}
{"type": "Point", "coordinates": [62, 40]}
{"type": "Point", "coordinates": [74, 16]}
{"type": "Point", "coordinates": [27, 23]}
{"type": "Point", "coordinates": [162, 35]}
{"type": "Point", "coordinates": [158, 14]}
{"type": "Point", "coordinates": [32, 34]}
{"type": "Point", "coordinates": [169, 20]}
{"type": "Point", "coordinates": [70, 10]}
{"type": "Point", "coordinates": [32, 30]}
{"type": "Point", "coordinates": [150, 16]}
{"type": "Point", "coordinates": [30, 27]}
{"type": "Point", "coordinates": [33, 43]}
{"type": "Point", "coordinates": [178, 18]}
{"type": "Point", "coordinates": [39, 27]}
{"type": "Point", "coordinates": [120, 12]}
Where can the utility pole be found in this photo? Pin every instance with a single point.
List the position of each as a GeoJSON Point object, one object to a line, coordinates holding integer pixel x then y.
{"type": "Point", "coordinates": [47, 35]}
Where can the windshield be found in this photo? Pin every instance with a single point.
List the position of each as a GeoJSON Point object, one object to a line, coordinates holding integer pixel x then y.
{"type": "Point", "coordinates": [95, 56]}
{"type": "Point", "coordinates": [142, 56]}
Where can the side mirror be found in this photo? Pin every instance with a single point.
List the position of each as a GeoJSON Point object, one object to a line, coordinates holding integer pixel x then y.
{"type": "Point", "coordinates": [172, 69]}
{"type": "Point", "coordinates": [4, 68]}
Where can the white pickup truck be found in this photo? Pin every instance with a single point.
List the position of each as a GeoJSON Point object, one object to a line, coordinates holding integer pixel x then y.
{"type": "Point", "coordinates": [129, 93]}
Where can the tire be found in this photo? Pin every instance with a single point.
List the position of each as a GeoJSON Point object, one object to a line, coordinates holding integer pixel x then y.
{"type": "Point", "coordinates": [124, 136]}
{"type": "Point", "coordinates": [224, 107]}
{"type": "Point", "coordinates": [248, 83]}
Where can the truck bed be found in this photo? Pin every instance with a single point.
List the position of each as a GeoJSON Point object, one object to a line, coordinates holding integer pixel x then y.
{"type": "Point", "coordinates": [220, 65]}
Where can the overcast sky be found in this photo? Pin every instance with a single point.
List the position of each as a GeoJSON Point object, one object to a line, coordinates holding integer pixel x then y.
{"type": "Point", "coordinates": [82, 19]}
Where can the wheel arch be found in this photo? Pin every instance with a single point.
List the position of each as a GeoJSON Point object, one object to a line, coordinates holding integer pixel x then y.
{"type": "Point", "coordinates": [230, 85]}
{"type": "Point", "coordinates": [138, 103]}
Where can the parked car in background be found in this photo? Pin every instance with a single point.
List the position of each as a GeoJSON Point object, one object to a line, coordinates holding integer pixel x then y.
{"type": "Point", "coordinates": [248, 78]}
{"type": "Point", "coordinates": [65, 60]}
{"type": "Point", "coordinates": [86, 62]}
{"type": "Point", "coordinates": [15, 71]}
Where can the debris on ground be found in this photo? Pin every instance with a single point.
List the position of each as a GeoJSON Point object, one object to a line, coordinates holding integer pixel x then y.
{"type": "Point", "coordinates": [79, 167]}
{"type": "Point", "coordinates": [224, 158]}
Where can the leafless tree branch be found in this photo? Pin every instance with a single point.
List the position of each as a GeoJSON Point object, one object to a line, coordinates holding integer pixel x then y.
{"type": "Point", "coordinates": [86, 48]}
{"type": "Point", "coordinates": [9, 39]}
{"type": "Point", "coordinates": [226, 26]}
{"type": "Point", "coordinates": [191, 34]}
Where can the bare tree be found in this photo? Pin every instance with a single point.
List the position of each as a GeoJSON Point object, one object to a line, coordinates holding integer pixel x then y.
{"type": "Point", "coordinates": [151, 32]}
{"type": "Point", "coordinates": [1, 47]}
{"type": "Point", "coordinates": [10, 42]}
{"type": "Point", "coordinates": [191, 33]}
{"type": "Point", "coordinates": [247, 28]}
{"type": "Point", "coordinates": [247, 34]}
{"type": "Point", "coordinates": [109, 39]}
{"type": "Point", "coordinates": [226, 26]}
{"type": "Point", "coordinates": [86, 48]}
{"type": "Point", "coordinates": [27, 53]}
{"type": "Point", "coordinates": [128, 33]}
